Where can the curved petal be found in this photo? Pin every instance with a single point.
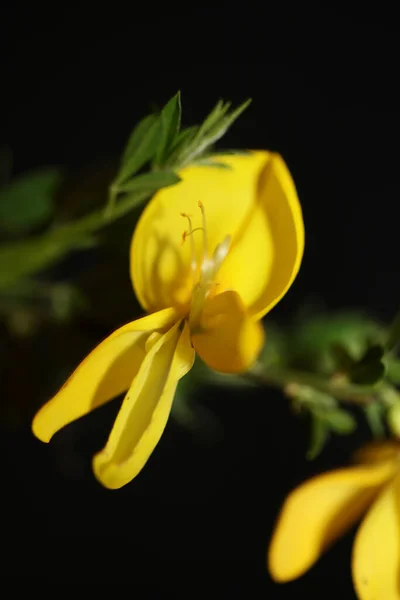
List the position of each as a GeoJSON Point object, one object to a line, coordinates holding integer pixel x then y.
{"type": "Point", "coordinates": [318, 512]}
{"type": "Point", "coordinates": [376, 551]}
{"type": "Point", "coordinates": [105, 373]}
{"type": "Point", "coordinates": [145, 409]}
{"type": "Point", "coordinates": [227, 340]}
{"type": "Point", "coordinates": [160, 264]}
{"type": "Point", "coordinates": [266, 254]}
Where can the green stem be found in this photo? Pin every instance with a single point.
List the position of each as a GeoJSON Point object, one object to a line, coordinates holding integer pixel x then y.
{"type": "Point", "coordinates": [281, 378]}
{"type": "Point", "coordinates": [21, 259]}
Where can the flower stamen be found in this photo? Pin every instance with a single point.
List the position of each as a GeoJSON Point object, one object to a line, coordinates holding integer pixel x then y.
{"type": "Point", "coordinates": [209, 267]}
{"type": "Point", "coordinates": [185, 235]}
{"type": "Point", "coordinates": [205, 240]}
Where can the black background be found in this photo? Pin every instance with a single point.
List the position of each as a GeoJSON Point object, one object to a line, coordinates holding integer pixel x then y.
{"type": "Point", "coordinates": [74, 81]}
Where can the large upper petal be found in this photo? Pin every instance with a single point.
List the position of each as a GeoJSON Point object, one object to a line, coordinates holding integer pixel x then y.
{"type": "Point", "coordinates": [145, 409]}
{"type": "Point", "coordinates": [228, 340]}
{"type": "Point", "coordinates": [266, 253]}
{"type": "Point", "coordinates": [160, 264]}
{"type": "Point", "coordinates": [319, 511]}
{"type": "Point", "coordinates": [376, 551]}
{"type": "Point", "coordinates": [105, 373]}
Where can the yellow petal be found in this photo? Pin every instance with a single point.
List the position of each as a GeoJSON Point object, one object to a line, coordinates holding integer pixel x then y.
{"type": "Point", "coordinates": [376, 551]}
{"type": "Point", "coordinates": [105, 373]}
{"type": "Point", "coordinates": [228, 340]}
{"type": "Point", "coordinates": [377, 452]}
{"type": "Point", "coordinates": [318, 512]}
{"type": "Point", "coordinates": [145, 409]}
{"type": "Point", "coordinates": [266, 254]}
{"type": "Point", "coordinates": [160, 264]}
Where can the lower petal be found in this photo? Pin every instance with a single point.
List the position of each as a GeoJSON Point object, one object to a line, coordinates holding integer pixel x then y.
{"type": "Point", "coordinates": [145, 410]}
{"type": "Point", "coordinates": [376, 551]}
{"type": "Point", "coordinates": [318, 512]}
{"type": "Point", "coordinates": [228, 340]}
{"type": "Point", "coordinates": [105, 373]}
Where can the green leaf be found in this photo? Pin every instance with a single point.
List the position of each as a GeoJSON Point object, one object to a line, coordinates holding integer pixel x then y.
{"type": "Point", "coordinates": [319, 436]}
{"type": "Point", "coordinates": [371, 368]}
{"type": "Point", "coordinates": [374, 413]}
{"type": "Point", "coordinates": [312, 399]}
{"type": "Point", "coordinates": [137, 136]}
{"type": "Point", "coordinates": [213, 128]}
{"type": "Point", "coordinates": [180, 147]}
{"type": "Point", "coordinates": [141, 147]}
{"type": "Point", "coordinates": [393, 369]}
{"type": "Point", "coordinates": [150, 182]}
{"type": "Point", "coordinates": [185, 136]}
{"type": "Point", "coordinates": [207, 162]}
{"type": "Point", "coordinates": [170, 120]}
{"type": "Point", "coordinates": [231, 152]}
{"type": "Point", "coordinates": [388, 394]}
{"type": "Point", "coordinates": [339, 421]}
{"type": "Point", "coordinates": [28, 200]}
{"type": "Point", "coordinates": [393, 419]}
{"type": "Point", "coordinates": [316, 339]}
{"type": "Point", "coordinates": [222, 125]}
{"type": "Point", "coordinates": [393, 336]}
{"type": "Point", "coordinates": [215, 116]}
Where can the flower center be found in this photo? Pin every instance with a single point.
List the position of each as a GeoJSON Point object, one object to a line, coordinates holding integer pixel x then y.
{"type": "Point", "coordinates": [203, 274]}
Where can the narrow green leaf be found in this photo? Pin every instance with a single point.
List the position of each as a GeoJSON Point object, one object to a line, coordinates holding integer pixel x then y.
{"type": "Point", "coordinates": [319, 436]}
{"type": "Point", "coordinates": [207, 162]}
{"type": "Point", "coordinates": [149, 182]}
{"type": "Point", "coordinates": [214, 117]}
{"type": "Point", "coordinates": [374, 413]}
{"type": "Point", "coordinates": [185, 136]}
{"type": "Point", "coordinates": [313, 399]}
{"type": "Point", "coordinates": [170, 122]}
{"type": "Point", "coordinates": [393, 369]}
{"type": "Point", "coordinates": [137, 136]}
{"type": "Point", "coordinates": [340, 421]}
{"type": "Point", "coordinates": [393, 419]}
{"type": "Point", "coordinates": [231, 152]}
{"type": "Point", "coordinates": [141, 147]}
{"type": "Point", "coordinates": [28, 200]}
{"type": "Point", "coordinates": [180, 147]}
{"type": "Point", "coordinates": [213, 128]}
{"type": "Point", "coordinates": [220, 128]}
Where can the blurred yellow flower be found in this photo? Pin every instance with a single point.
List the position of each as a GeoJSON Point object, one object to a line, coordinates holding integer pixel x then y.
{"type": "Point", "coordinates": [321, 510]}
{"type": "Point", "coordinates": [210, 256]}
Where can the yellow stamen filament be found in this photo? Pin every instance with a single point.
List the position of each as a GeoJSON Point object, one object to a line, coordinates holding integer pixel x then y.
{"type": "Point", "coordinates": [192, 247]}
{"type": "Point", "coordinates": [208, 269]}
{"type": "Point", "coordinates": [205, 240]}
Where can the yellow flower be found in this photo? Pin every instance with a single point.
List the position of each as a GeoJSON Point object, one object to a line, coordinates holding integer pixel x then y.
{"type": "Point", "coordinates": [243, 245]}
{"type": "Point", "coordinates": [321, 510]}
